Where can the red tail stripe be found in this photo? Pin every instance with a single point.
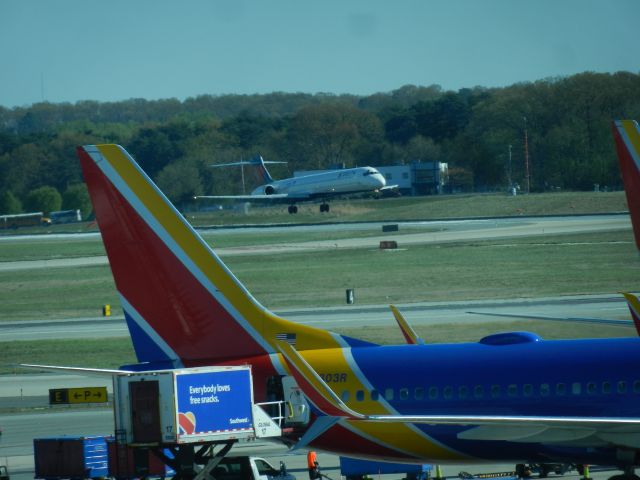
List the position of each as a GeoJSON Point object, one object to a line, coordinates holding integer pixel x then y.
{"type": "Point", "coordinates": [156, 283]}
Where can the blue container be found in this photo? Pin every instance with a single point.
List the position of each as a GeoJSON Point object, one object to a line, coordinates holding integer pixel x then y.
{"type": "Point", "coordinates": [356, 467]}
{"type": "Point", "coordinates": [71, 457]}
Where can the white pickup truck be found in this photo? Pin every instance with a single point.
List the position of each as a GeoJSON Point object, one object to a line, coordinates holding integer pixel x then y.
{"type": "Point", "coordinates": [249, 468]}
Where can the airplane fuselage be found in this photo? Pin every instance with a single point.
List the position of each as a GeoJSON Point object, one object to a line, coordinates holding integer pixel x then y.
{"type": "Point", "coordinates": [336, 182]}
{"type": "Point", "coordinates": [519, 375]}
{"type": "Point", "coordinates": [514, 374]}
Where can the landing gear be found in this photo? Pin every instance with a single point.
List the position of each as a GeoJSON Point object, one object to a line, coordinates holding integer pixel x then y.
{"type": "Point", "coordinates": [324, 207]}
{"type": "Point", "coordinates": [292, 209]}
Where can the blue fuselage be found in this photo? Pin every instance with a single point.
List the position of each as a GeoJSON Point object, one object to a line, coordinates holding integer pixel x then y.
{"type": "Point", "coordinates": [503, 375]}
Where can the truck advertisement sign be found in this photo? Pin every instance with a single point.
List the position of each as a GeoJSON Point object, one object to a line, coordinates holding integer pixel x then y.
{"type": "Point", "coordinates": [212, 403]}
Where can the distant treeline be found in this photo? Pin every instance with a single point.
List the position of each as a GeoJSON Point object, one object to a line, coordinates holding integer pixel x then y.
{"type": "Point", "coordinates": [479, 132]}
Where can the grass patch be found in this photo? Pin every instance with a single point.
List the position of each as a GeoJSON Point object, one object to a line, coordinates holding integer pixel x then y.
{"type": "Point", "coordinates": [48, 293]}
{"type": "Point", "coordinates": [501, 268]}
{"type": "Point", "coordinates": [88, 352]}
{"type": "Point", "coordinates": [563, 265]}
{"type": "Point", "coordinates": [426, 208]}
{"type": "Point", "coordinates": [12, 250]}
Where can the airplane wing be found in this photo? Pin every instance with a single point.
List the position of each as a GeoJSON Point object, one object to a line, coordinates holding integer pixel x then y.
{"type": "Point", "coordinates": [99, 372]}
{"type": "Point", "coordinates": [248, 198]}
{"type": "Point", "coordinates": [633, 302]}
{"type": "Point", "coordinates": [565, 430]}
{"type": "Point", "coordinates": [622, 323]}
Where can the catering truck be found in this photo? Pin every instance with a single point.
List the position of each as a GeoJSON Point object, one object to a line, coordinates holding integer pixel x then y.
{"type": "Point", "coordinates": [188, 418]}
{"type": "Point", "coordinates": [192, 405]}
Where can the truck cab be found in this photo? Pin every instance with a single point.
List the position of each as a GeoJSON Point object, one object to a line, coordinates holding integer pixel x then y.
{"type": "Point", "coordinates": [249, 468]}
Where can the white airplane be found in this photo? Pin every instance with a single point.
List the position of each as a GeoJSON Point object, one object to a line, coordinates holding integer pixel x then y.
{"type": "Point", "coordinates": [308, 187]}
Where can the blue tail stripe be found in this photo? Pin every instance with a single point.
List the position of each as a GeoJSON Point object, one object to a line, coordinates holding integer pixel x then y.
{"type": "Point", "coordinates": [146, 349]}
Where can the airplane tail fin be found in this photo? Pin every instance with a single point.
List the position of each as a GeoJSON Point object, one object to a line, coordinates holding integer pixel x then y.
{"type": "Point", "coordinates": [627, 137]}
{"type": "Point", "coordinates": [182, 305]}
{"type": "Point", "coordinates": [264, 174]}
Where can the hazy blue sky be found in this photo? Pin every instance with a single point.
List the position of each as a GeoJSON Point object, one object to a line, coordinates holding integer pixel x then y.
{"type": "Point", "coordinates": [69, 50]}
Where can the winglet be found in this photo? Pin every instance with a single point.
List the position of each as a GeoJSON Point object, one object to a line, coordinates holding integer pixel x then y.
{"type": "Point", "coordinates": [626, 134]}
{"type": "Point", "coordinates": [314, 388]}
{"type": "Point", "coordinates": [409, 333]}
{"type": "Point", "coordinates": [634, 307]}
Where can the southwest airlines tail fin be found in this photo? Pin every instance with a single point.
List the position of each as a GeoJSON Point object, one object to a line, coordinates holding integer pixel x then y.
{"type": "Point", "coordinates": [627, 136]}
{"type": "Point", "coordinates": [182, 305]}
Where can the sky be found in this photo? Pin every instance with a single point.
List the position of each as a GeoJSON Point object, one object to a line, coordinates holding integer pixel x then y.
{"type": "Point", "coordinates": [111, 50]}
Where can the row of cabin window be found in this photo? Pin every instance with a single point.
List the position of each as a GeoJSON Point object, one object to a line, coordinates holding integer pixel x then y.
{"type": "Point", "coordinates": [512, 390]}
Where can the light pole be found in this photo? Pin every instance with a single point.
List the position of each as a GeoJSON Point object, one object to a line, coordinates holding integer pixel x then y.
{"type": "Point", "coordinates": [509, 182]}
{"type": "Point", "coordinates": [526, 157]}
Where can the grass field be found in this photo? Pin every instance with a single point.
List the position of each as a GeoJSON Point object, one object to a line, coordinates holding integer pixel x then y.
{"type": "Point", "coordinates": [502, 268]}
{"type": "Point", "coordinates": [523, 267]}
{"type": "Point", "coordinates": [428, 208]}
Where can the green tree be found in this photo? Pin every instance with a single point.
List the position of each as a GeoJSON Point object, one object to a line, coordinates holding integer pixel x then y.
{"type": "Point", "coordinates": [327, 134]}
{"type": "Point", "coordinates": [76, 197]}
{"type": "Point", "coordinates": [180, 181]}
{"type": "Point", "coordinates": [44, 199]}
{"type": "Point", "coordinates": [9, 203]}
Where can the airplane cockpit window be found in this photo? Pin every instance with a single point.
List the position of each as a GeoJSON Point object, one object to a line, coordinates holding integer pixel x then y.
{"type": "Point", "coordinates": [369, 172]}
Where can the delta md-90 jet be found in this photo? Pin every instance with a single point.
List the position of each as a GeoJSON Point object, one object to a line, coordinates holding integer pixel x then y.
{"type": "Point", "coordinates": [509, 397]}
{"type": "Point", "coordinates": [315, 186]}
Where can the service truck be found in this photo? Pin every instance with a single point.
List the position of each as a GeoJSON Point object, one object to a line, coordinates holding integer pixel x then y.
{"type": "Point", "coordinates": [192, 405]}
{"type": "Point", "coordinates": [197, 414]}
{"type": "Point", "coordinates": [249, 468]}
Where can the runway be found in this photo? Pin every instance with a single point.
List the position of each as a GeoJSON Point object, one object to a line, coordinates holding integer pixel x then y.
{"type": "Point", "coordinates": [429, 232]}
{"type": "Point", "coordinates": [596, 308]}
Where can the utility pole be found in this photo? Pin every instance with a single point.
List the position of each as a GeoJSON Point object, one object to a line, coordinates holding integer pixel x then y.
{"type": "Point", "coordinates": [509, 182]}
{"type": "Point", "coordinates": [244, 191]}
{"type": "Point", "coordinates": [526, 157]}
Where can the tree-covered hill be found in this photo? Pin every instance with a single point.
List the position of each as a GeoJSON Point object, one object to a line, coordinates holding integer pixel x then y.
{"type": "Point", "coordinates": [480, 132]}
